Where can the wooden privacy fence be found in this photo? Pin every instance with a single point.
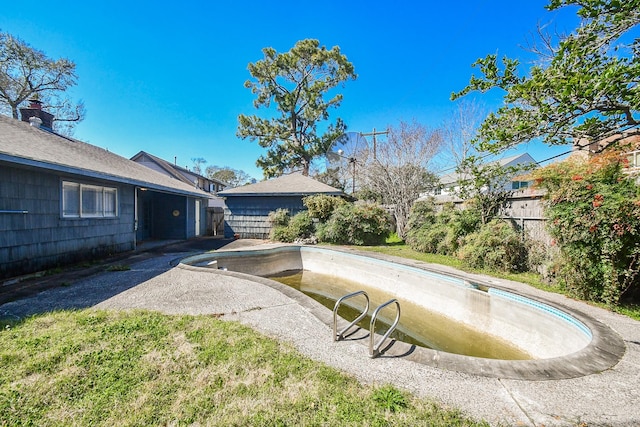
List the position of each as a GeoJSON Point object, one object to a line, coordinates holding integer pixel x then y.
{"type": "Point", "coordinates": [524, 208]}
{"type": "Point", "coordinates": [215, 221]}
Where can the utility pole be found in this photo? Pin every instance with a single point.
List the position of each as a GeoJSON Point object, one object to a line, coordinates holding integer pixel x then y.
{"type": "Point", "coordinates": [374, 134]}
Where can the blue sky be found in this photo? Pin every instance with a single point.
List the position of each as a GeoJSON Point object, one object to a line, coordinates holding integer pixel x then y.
{"type": "Point", "coordinates": [167, 77]}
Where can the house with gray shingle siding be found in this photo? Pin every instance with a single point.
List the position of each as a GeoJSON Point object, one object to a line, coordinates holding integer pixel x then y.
{"type": "Point", "coordinates": [64, 201]}
{"type": "Point", "coordinates": [247, 208]}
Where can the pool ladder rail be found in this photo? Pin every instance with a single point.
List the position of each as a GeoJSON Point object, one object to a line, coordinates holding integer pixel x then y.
{"type": "Point", "coordinates": [374, 348]}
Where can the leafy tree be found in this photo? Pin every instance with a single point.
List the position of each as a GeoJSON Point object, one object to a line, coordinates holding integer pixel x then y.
{"type": "Point", "coordinates": [330, 176]}
{"type": "Point", "coordinates": [27, 73]}
{"type": "Point", "coordinates": [593, 212]}
{"type": "Point", "coordinates": [480, 182]}
{"type": "Point", "coordinates": [398, 173]}
{"type": "Point", "coordinates": [297, 82]}
{"type": "Point", "coordinates": [584, 90]}
{"type": "Point", "coordinates": [233, 177]}
{"type": "Point", "coordinates": [484, 184]}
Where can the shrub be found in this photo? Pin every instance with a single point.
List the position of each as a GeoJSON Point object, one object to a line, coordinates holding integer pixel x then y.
{"type": "Point", "coordinates": [281, 233]}
{"type": "Point", "coordinates": [279, 217]}
{"type": "Point", "coordinates": [427, 237]}
{"type": "Point", "coordinates": [301, 225]}
{"type": "Point", "coordinates": [422, 217]}
{"type": "Point", "coordinates": [497, 246]}
{"type": "Point", "coordinates": [439, 233]}
{"type": "Point", "coordinates": [321, 206]}
{"type": "Point", "coordinates": [356, 224]}
{"type": "Point", "coordinates": [593, 212]}
{"type": "Point", "coordinates": [298, 227]}
{"type": "Point", "coordinates": [423, 212]}
{"type": "Point", "coordinates": [465, 221]}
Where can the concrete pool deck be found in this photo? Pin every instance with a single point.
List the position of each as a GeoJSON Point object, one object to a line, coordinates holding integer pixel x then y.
{"type": "Point", "coordinates": [609, 398]}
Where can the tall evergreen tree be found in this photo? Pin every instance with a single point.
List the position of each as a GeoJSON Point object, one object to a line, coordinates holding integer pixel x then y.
{"type": "Point", "coordinates": [299, 84]}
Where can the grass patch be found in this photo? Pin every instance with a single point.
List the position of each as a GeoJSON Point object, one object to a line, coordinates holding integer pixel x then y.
{"type": "Point", "coordinates": [631, 310]}
{"type": "Point", "coordinates": [142, 368]}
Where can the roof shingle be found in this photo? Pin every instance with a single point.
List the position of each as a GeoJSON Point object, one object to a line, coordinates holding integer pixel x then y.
{"type": "Point", "coordinates": [24, 144]}
{"type": "Point", "coordinates": [287, 185]}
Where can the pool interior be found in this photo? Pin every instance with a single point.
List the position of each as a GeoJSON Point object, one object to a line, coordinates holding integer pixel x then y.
{"type": "Point", "coordinates": [563, 343]}
{"type": "Point", "coordinates": [417, 326]}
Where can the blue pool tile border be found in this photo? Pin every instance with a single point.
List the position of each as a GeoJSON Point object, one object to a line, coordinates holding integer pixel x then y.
{"type": "Point", "coordinates": [543, 307]}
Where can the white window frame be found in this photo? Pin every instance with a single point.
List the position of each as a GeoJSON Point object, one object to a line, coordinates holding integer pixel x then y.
{"type": "Point", "coordinates": [104, 205]}
{"type": "Point", "coordinates": [634, 159]}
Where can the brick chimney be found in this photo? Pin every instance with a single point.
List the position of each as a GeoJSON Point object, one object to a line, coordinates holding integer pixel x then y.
{"type": "Point", "coordinates": [35, 110]}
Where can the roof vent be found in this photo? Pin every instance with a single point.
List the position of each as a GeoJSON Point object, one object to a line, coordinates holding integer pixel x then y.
{"type": "Point", "coordinates": [34, 121]}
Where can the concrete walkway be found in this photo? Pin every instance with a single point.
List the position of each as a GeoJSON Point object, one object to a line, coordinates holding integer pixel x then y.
{"type": "Point", "coordinates": [610, 398]}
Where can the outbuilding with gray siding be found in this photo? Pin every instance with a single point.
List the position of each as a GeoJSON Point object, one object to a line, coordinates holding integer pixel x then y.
{"type": "Point", "coordinates": [247, 208]}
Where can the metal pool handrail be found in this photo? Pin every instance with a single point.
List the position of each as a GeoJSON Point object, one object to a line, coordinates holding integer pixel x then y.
{"type": "Point", "coordinates": [374, 348]}
{"type": "Point", "coordinates": [337, 336]}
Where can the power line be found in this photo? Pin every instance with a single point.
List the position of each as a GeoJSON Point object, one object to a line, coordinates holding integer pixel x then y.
{"type": "Point", "coordinates": [452, 168]}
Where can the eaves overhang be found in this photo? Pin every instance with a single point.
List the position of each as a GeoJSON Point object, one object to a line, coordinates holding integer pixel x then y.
{"type": "Point", "coordinates": [36, 164]}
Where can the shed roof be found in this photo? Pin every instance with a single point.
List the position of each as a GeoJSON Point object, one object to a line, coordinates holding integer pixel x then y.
{"type": "Point", "coordinates": [294, 184]}
{"type": "Point", "coordinates": [26, 145]}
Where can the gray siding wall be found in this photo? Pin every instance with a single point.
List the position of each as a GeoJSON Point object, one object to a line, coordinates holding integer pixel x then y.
{"type": "Point", "coordinates": [40, 238]}
{"type": "Point", "coordinates": [249, 216]}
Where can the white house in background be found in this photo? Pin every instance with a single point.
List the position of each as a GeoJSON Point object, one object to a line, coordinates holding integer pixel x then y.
{"type": "Point", "coordinates": [449, 185]}
{"type": "Point", "coordinates": [215, 205]}
{"type": "Point", "coordinates": [172, 170]}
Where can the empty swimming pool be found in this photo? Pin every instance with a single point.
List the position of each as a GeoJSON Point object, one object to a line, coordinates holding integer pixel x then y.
{"type": "Point", "coordinates": [557, 343]}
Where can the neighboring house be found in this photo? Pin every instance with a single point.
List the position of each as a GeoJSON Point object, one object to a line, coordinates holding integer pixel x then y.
{"type": "Point", "coordinates": [630, 141]}
{"type": "Point", "coordinates": [215, 207]}
{"type": "Point", "coordinates": [64, 201]}
{"type": "Point", "coordinates": [449, 184]}
{"type": "Point", "coordinates": [247, 208]}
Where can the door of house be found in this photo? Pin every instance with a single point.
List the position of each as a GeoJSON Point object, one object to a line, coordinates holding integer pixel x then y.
{"type": "Point", "coordinates": [144, 214]}
{"type": "Point", "coordinates": [197, 218]}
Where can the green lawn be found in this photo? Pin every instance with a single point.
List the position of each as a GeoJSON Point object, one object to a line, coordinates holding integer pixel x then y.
{"type": "Point", "coordinates": [142, 368]}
